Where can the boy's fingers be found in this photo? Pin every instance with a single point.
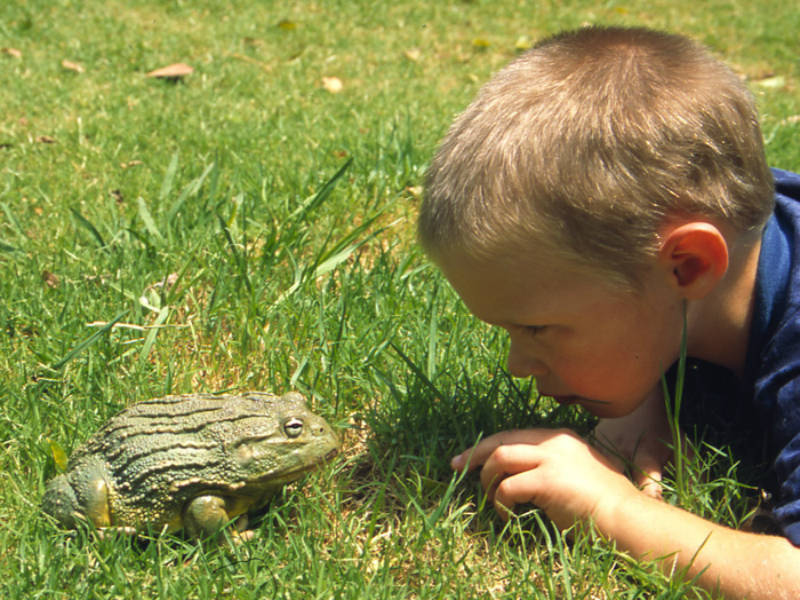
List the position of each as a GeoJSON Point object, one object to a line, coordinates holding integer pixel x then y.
{"type": "Point", "coordinates": [648, 478]}
{"type": "Point", "coordinates": [508, 459]}
{"type": "Point", "coordinates": [476, 456]}
{"type": "Point", "coordinates": [517, 489]}
{"type": "Point", "coordinates": [651, 487]}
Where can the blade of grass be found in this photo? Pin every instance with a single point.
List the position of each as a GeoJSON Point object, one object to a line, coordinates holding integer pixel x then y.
{"type": "Point", "coordinates": [147, 219]}
{"type": "Point", "coordinates": [312, 203]}
{"type": "Point", "coordinates": [433, 331]}
{"type": "Point", "coordinates": [329, 259]}
{"type": "Point", "coordinates": [151, 335]}
{"type": "Point", "coordinates": [85, 223]}
{"type": "Point", "coordinates": [302, 212]}
{"type": "Point", "coordinates": [190, 190]}
{"type": "Point", "coordinates": [241, 261]}
{"type": "Point", "coordinates": [673, 408]}
{"type": "Point", "coordinates": [4, 247]}
{"type": "Point", "coordinates": [169, 177]}
{"type": "Point", "coordinates": [417, 371]}
{"type": "Point", "coordinates": [13, 220]}
{"type": "Point", "coordinates": [88, 341]}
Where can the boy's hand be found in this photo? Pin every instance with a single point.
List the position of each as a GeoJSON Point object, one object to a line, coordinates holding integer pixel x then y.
{"type": "Point", "coordinates": [554, 469]}
{"type": "Point", "coordinates": [640, 439]}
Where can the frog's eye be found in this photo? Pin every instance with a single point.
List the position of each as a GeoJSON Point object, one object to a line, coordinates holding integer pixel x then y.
{"type": "Point", "coordinates": [293, 427]}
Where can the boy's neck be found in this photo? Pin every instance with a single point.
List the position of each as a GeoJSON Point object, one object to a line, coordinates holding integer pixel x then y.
{"type": "Point", "coordinates": [719, 324]}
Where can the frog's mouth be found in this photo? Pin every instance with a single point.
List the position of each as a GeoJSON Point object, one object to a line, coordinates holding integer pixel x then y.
{"type": "Point", "coordinates": [294, 474]}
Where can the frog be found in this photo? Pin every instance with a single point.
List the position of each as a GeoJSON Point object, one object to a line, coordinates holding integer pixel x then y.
{"type": "Point", "coordinates": [190, 462]}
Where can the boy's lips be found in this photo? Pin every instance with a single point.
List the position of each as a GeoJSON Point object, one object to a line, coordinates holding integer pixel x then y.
{"type": "Point", "coordinates": [596, 407]}
{"type": "Point", "coordinates": [566, 400]}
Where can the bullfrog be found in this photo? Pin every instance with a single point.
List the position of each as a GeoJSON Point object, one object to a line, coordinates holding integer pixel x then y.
{"type": "Point", "coordinates": [193, 462]}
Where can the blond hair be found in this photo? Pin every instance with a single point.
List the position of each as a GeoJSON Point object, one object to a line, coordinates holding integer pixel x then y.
{"type": "Point", "coordinates": [588, 142]}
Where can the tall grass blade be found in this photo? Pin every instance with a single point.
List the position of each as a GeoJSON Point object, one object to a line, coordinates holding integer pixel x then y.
{"type": "Point", "coordinates": [86, 224]}
{"type": "Point", "coordinates": [673, 407]}
{"type": "Point", "coordinates": [88, 341]}
{"type": "Point", "coordinates": [190, 190]}
{"type": "Point", "coordinates": [333, 257]}
{"type": "Point", "coordinates": [310, 205]}
{"type": "Point", "coordinates": [418, 372]}
{"type": "Point", "coordinates": [241, 263]}
{"type": "Point", "coordinates": [433, 334]}
{"type": "Point", "coordinates": [147, 219]}
{"type": "Point", "coordinates": [151, 335]}
{"type": "Point", "coordinates": [7, 247]}
{"type": "Point", "coordinates": [169, 177]}
{"type": "Point", "coordinates": [13, 220]}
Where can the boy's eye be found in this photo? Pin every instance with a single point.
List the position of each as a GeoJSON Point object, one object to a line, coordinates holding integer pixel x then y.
{"type": "Point", "coordinates": [534, 329]}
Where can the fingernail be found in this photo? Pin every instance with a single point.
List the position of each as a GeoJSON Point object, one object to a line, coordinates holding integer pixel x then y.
{"type": "Point", "coordinates": [457, 462]}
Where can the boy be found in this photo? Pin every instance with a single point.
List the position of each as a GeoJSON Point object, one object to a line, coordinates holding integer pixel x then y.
{"type": "Point", "coordinates": [602, 188]}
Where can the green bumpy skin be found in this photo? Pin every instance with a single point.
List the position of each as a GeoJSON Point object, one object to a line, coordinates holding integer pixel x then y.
{"type": "Point", "coordinates": [193, 461]}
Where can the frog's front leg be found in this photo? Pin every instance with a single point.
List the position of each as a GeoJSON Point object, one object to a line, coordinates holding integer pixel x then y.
{"type": "Point", "coordinates": [205, 516]}
{"type": "Point", "coordinates": [79, 496]}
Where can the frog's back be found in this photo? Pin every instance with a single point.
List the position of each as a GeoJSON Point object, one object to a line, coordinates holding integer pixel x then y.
{"type": "Point", "coordinates": [146, 463]}
{"type": "Point", "coordinates": [160, 452]}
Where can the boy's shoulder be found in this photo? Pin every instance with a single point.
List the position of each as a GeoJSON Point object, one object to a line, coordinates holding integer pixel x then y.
{"type": "Point", "coordinates": [773, 358]}
{"type": "Point", "coordinates": [773, 363]}
{"type": "Point", "coordinates": [778, 278]}
{"type": "Point", "coordinates": [787, 185]}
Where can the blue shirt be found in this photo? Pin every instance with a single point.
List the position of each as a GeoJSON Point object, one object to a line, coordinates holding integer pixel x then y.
{"type": "Point", "coordinates": [773, 357]}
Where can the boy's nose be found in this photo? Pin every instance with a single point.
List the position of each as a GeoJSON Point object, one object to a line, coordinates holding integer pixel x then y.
{"type": "Point", "coordinates": [522, 364]}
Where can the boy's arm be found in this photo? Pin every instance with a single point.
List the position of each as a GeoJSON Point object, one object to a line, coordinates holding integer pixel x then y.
{"type": "Point", "coordinates": [570, 481]}
{"type": "Point", "coordinates": [739, 564]}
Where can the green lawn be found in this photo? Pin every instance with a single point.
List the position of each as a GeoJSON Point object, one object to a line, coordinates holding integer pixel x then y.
{"type": "Point", "coordinates": [246, 228]}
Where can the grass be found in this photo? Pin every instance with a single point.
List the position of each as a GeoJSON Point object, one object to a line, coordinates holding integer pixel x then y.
{"type": "Point", "coordinates": [247, 229]}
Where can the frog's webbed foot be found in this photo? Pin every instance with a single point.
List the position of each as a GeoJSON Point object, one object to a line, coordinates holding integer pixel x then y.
{"type": "Point", "coordinates": [240, 532]}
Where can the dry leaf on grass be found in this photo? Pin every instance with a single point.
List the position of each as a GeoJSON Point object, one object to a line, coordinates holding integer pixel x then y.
{"type": "Point", "coordinates": [415, 191]}
{"type": "Point", "coordinates": [771, 82]}
{"type": "Point", "coordinates": [173, 72]}
{"type": "Point", "coordinates": [333, 84]}
{"type": "Point", "coordinates": [13, 52]}
{"type": "Point", "coordinates": [50, 279]}
{"type": "Point", "coordinates": [287, 25]}
{"type": "Point", "coordinates": [523, 43]}
{"type": "Point", "coordinates": [165, 283]}
{"type": "Point", "coordinates": [72, 66]}
{"type": "Point", "coordinates": [45, 139]}
{"type": "Point", "coordinates": [413, 54]}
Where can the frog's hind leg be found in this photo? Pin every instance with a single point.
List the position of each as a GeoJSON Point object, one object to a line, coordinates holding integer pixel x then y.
{"type": "Point", "coordinates": [205, 516]}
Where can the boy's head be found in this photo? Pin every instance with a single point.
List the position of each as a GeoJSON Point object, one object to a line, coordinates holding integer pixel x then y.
{"type": "Point", "coordinates": [587, 145]}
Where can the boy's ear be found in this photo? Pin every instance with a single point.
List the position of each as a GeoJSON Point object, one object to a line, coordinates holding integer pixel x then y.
{"type": "Point", "coordinates": [696, 256]}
